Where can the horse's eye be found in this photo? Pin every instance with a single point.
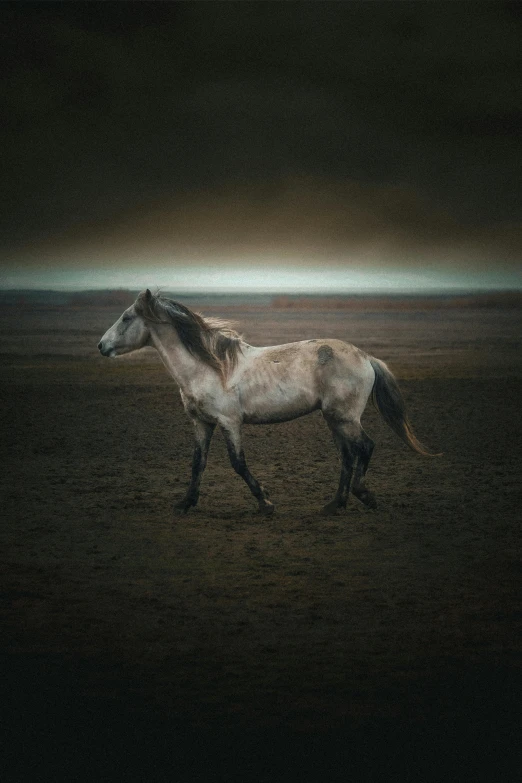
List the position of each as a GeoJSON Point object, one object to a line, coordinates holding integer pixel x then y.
{"type": "Point", "coordinates": [127, 318]}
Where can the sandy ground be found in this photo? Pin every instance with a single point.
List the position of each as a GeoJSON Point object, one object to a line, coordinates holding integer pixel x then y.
{"type": "Point", "coordinates": [219, 645]}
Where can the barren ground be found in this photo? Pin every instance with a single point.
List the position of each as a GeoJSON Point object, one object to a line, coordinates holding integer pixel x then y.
{"type": "Point", "coordinates": [219, 645]}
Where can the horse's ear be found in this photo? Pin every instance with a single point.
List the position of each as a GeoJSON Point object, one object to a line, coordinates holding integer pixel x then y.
{"type": "Point", "coordinates": [148, 295]}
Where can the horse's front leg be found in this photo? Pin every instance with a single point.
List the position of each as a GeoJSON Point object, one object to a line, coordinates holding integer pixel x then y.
{"type": "Point", "coordinates": [203, 432]}
{"type": "Point", "coordinates": [232, 435]}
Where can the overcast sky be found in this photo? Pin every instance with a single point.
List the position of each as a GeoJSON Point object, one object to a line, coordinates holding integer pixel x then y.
{"type": "Point", "coordinates": [245, 140]}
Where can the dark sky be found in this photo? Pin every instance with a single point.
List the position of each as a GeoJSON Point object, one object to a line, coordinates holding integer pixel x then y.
{"type": "Point", "coordinates": [385, 132]}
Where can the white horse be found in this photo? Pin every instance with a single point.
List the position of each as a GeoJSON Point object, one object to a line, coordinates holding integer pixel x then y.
{"type": "Point", "coordinates": [223, 380]}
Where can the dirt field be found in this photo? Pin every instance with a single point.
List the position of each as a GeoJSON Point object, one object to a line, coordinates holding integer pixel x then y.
{"type": "Point", "coordinates": [220, 645]}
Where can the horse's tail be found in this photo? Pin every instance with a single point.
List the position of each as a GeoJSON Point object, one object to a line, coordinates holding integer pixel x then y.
{"type": "Point", "coordinates": [388, 400]}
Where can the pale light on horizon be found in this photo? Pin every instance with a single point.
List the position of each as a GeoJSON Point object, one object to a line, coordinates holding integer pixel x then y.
{"type": "Point", "coordinates": [262, 277]}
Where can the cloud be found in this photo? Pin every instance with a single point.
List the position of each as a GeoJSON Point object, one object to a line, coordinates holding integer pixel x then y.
{"type": "Point", "coordinates": [296, 220]}
{"type": "Point", "coordinates": [386, 130]}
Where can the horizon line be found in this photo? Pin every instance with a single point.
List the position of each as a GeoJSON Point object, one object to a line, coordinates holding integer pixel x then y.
{"type": "Point", "coordinates": [425, 291]}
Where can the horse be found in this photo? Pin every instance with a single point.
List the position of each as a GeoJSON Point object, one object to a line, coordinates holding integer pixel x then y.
{"type": "Point", "coordinates": [227, 382]}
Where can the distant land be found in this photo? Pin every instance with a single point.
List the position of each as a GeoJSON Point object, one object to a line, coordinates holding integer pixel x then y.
{"type": "Point", "coordinates": [123, 297]}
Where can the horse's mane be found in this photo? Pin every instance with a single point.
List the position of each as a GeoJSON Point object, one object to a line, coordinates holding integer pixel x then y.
{"type": "Point", "coordinates": [212, 340]}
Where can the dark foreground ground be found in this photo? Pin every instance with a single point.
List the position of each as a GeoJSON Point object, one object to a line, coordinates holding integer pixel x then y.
{"type": "Point", "coordinates": [377, 645]}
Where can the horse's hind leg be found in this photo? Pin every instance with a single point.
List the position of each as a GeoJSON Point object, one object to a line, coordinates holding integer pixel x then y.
{"type": "Point", "coordinates": [345, 434]}
{"type": "Point", "coordinates": [237, 458]}
{"type": "Point", "coordinates": [203, 432]}
{"type": "Point", "coordinates": [359, 488]}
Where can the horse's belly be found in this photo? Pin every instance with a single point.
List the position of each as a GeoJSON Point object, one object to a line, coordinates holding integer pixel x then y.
{"type": "Point", "coordinates": [278, 405]}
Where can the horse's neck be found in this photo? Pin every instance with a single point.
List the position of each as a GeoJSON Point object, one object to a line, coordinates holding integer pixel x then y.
{"type": "Point", "coordinates": [178, 361]}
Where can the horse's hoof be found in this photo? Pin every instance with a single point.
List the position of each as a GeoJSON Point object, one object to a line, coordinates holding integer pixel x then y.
{"type": "Point", "coordinates": [368, 498]}
{"type": "Point", "coordinates": [267, 509]}
{"type": "Point", "coordinates": [181, 507]}
{"type": "Point", "coordinates": [332, 509]}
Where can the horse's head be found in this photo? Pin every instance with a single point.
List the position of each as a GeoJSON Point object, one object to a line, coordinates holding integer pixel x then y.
{"type": "Point", "coordinates": [129, 333]}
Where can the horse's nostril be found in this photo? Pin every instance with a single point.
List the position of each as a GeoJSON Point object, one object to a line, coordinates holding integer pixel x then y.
{"type": "Point", "coordinates": [99, 346]}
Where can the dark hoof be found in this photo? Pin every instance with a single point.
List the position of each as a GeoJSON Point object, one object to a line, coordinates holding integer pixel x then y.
{"type": "Point", "coordinates": [368, 498]}
{"type": "Point", "coordinates": [332, 509]}
{"type": "Point", "coordinates": [267, 509]}
{"type": "Point", "coordinates": [182, 506]}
